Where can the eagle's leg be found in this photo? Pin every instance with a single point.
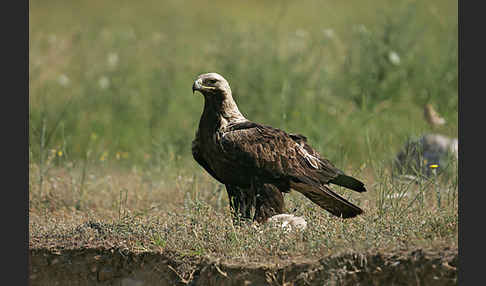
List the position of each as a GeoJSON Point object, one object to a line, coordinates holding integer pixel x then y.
{"type": "Point", "coordinates": [242, 202]}
{"type": "Point", "coordinates": [258, 202]}
{"type": "Point", "coordinates": [269, 202]}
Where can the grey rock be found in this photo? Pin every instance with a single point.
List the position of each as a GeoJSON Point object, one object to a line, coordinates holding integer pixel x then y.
{"type": "Point", "coordinates": [417, 155]}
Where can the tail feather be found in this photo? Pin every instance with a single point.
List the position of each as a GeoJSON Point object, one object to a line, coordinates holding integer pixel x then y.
{"type": "Point", "coordinates": [348, 182]}
{"type": "Point", "coordinates": [327, 199]}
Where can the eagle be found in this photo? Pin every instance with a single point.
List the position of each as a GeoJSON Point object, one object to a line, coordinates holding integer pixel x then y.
{"type": "Point", "coordinates": [259, 163]}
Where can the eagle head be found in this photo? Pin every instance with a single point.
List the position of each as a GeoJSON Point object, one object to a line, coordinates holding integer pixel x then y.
{"type": "Point", "coordinates": [218, 101]}
{"type": "Point", "coordinates": [211, 84]}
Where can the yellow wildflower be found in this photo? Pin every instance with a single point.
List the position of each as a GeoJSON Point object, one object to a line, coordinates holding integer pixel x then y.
{"type": "Point", "coordinates": [103, 156]}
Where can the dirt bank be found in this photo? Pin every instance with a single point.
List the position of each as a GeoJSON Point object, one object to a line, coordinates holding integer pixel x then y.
{"type": "Point", "coordinates": [118, 267]}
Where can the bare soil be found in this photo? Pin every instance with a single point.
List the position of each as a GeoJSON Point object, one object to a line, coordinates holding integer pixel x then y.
{"type": "Point", "coordinates": [100, 266]}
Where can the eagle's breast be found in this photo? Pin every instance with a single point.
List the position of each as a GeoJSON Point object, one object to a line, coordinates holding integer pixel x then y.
{"type": "Point", "coordinates": [224, 165]}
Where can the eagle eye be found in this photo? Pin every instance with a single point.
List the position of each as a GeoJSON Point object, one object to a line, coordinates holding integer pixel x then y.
{"type": "Point", "coordinates": [212, 81]}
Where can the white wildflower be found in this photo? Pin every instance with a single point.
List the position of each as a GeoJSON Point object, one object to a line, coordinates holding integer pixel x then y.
{"type": "Point", "coordinates": [113, 59]}
{"type": "Point", "coordinates": [361, 28]}
{"type": "Point", "coordinates": [394, 58]}
{"type": "Point", "coordinates": [301, 33]}
{"type": "Point", "coordinates": [106, 34]}
{"type": "Point", "coordinates": [63, 80]}
{"type": "Point", "coordinates": [130, 34]}
{"type": "Point", "coordinates": [51, 39]}
{"type": "Point", "coordinates": [158, 37]}
{"type": "Point", "coordinates": [329, 33]}
{"type": "Point", "coordinates": [104, 82]}
{"type": "Point", "coordinates": [332, 110]}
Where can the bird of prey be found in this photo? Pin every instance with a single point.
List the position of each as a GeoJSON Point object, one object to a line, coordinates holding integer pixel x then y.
{"type": "Point", "coordinates": [432, 117]}
{"type": "Point", "coordinates": [258, 163]}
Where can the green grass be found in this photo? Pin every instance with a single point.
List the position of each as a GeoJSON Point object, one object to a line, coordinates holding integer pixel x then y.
{"type": "Point", "coordinates": [127, 73]}
{"type": "Point", "coordinates": [112, 116]}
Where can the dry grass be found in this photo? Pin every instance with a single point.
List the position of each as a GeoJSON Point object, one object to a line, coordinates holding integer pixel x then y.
{"type": "Point", "coordinates": [187, 212]}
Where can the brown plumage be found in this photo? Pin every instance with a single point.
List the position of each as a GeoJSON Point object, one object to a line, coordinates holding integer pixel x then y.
{"type": "Point", "coordinates": [259, 163]}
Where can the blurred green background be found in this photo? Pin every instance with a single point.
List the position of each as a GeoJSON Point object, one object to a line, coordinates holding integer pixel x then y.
{"type": "Point", "coordinates": [111, 80]}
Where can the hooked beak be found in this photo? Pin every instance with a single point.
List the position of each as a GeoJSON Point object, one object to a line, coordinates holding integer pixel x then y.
{"type": "Point", "coordinates": [196, 85]}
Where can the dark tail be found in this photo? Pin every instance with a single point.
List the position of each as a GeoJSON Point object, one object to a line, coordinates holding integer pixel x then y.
{"type": "Point", "coordinates": [327, 199]}
{"type": "Point", "coordinates": [348, 182]}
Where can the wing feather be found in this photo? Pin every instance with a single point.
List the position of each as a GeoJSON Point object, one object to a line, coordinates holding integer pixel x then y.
{"type": "Point", "coordinates": [275, 153]}
{"type": "Point", "coordinates": [265, 150]}
{"type": "Point", "coordinates": [328, 200]}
